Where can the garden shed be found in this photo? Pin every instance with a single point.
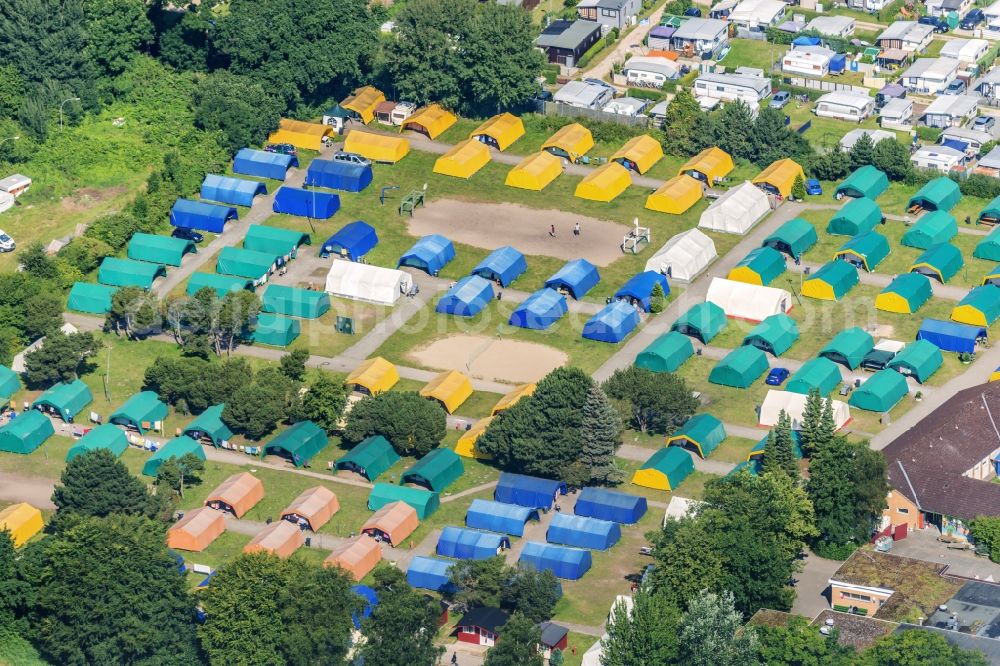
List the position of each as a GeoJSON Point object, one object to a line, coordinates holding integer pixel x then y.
{"type": "Point", "coordinates": [684, 256]}
{"type": "Point", "coordinates": [295, 302]}
{"type": "Point", "coordinates": [582, 532]}
{"type": "Point", "coordinates": [702, 432]}
{"type": "Point", "coordinates": [980, 307]}
{"type": "Point", "coordinates": [312, 204]}
{"type": "Point", "coordinates": [377, 147]}
{"type": "Point", "coordinates": [242, 263]}
{"type": "Point", "coordinates": [865, 250]}
{"type": "Point", "coordinates": [430, 254]}
{"type": "Point", "coordinates": [464, 160]}
{"type": "Point", "coordinates": [339, 175]}
{"type": "Point", "coordinates": [314, 507]}
{"type": "Point", "coordinates": [208, 426]}
{"type": "Point", "coordinates": [308, 136]}
{"type": "Point", "coordinates": [613, 323]}
{"type": "Point", "coordinates": [232, 191]}
{"type": "Point", "coordinates": [849, 347]}
{"type": "Point", "coordinates": [940, 262]}
{"type": "Point", "coordinates": [740, 368]}
{"type": "Point", "coordinates": [760, 267]}
{"type": "Point", "coordinates": [665, 469]}
{"type": "Point", "coordinates": [639, 289]}
{"type": "Point", "coordinates": [500, 131]}
{"type": "Point", "coordinates": [430, 121]}
{"type": "Point", "coordinates": [748, 301]}
{"type": "Point", "coordinates": [989, 248]}
{"type": "Point", "coordinates": [931, 229]}
{"type": "Point", "coordinates": [666, 353]}
{"type": "Point", "coordinates": [358, 556]}
{"type": "Point", "coordinates": [467, 297]}
{"type": "Point", "coordinates": [220, 284]}
{"type": "Point", "coordinates": [736, 211]}
{"type": "Point", "coordinates": [794, 238]}
{"type": "Point", "coordinates": [571, 142]}
{"type": "Point", "coordinates": [280, 538]}
{"type": "Point", "coordinates": [640, 153]}
{"type": "Point", "coordinates": [26, 432]}
{"type": "Point", "coordinates": [274, 330]}
{"type": "Point", "coordinates": [299, 443]}
{"type": "Point", "coordinates": [818, 373]}
{"type": "Point", "coordinates": [466, 444]}
{"type": "Point", "coordinates": [864, 182]}
{"type": "Point", "coordinates": [529, 491]}
{"type": "Point", "coordinates": [274, 241]}
{"type": "Point", "coordinates": [594, 502]}
{"type": "Point", "coordinates": [90, 298]}
{"type": "Point", "coordinates": [534, 172]}
{"type": "Point", "coordinates": [373, 376]}
{"type": "Point", "coordinates": [540, 310]}
{"type": "Point", "coordinates": [424, 502]}
{"type": "Point", "coordinates": [857, 216]}
{"type": "Point", "coordinates": [117, 272]}
{"type": "Point", "coordinates": [363, 102]}
{"type": "Point", "coordinates": [880, 392]}
{"type": "Point", "coordinates": [576, 277]}
{"type": "Point", "coordinates": [189, 214]}
{"type": "Point", "coordinates": [462, 543]}
{"type": "Point", "coordinates": [263, 164]}
{"type": "Point", "coordinates": [951, 336]}
{"type": "Point", "coordinates": [499, 517]}
{"type": "Point", "coordinates": [675, 196]}
{"type": "Point", "coordinates": [604, 183]}
{"type": "Point", "coordinates": [905, 294]}
{"type": "Point", "coordinates": [370, 458]}
{"type": "Point", "coordinates": [140, 412]}
{"type": "Point", "coordinates": [159, 249]}
{"type": "Point", "coordinates": [364, 282]}
{"type": "Point", "coordinates": [502, 265]}
{"type": "Point", "coordinates": [832, 281]}
{"type": "Point", "coordinates": [449, 388]}
{"type": "Point", "coordinates": [22, 521]}
{"type": "Point", "coordinates": [775, 335]}
{"type": "Point", "coordinates": [779, 177]}
{"type": "Point", "coordinates": [237, 494]}
{"type": "Point", "coordinates": [106, 436]}
{"type": "Point", "coordinates": [938, 194]}
{"type": "Point", "coordinates": [196, 530]}
{"type": "Point", "coordinates": [430, 573]}
{"type": "Point", "coordinates": [67, 399]}
{"type": "Point", "coordinates": [709, 166]}
{"type": "Point", "coordinates": [392, 523]}
{"type": "Point", "coordinates": [919, 359]}
{"type": "Point", "coordinates": [702, 321]}
{"type": "Point", "coordinates": [176, 448]}
{"type": "Point", "coordinates": [794, 404]}
{"type": "Point", "coordinates": [352, 242]}
{"type": "Point", "coordinates": [563, 562]}
{"type": "Point", "coordinates": [512, 397]}
{"type": "Point", "coordinates": [435, 471]}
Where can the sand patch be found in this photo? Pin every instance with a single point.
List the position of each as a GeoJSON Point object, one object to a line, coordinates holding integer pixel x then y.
{"type": "Point", "coordinates": [86, 198]}
{"type": "Point", "coordinates": [492, 359]}
{"type": "Point", "coordinates": [493, 225]}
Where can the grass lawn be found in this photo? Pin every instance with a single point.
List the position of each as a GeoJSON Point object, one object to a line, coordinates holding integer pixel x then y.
{"type": "Point", "coordinates": [580, 643]}
{"type": "Point", "coordinates": [692, 487]}
{"type": "Point", "coordinates": [734, 449]}
{"type": "Point", "coordinates": [730, 405]}
{"type": "Point", "coordinates": [752, 53]}
{"type": "Point", "coordinates": [320, 337]}
{"type": "Point", "coordinates": [16, 651]}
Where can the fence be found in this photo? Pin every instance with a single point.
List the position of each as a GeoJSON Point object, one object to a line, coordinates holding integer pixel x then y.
{"type": "Point", "coordinates": [823, 86]}
{"type": "Point", "coordinates": [555, 109]}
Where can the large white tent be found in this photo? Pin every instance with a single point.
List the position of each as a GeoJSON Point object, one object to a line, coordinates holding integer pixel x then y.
{"type": "Point", "coordinates": [736, 211]}
{"type": "Point", "coordinates": [748, 301]}
{"type": "Point", "coordinates": [684, 256]}
{"type": "Point", "coordinates": [794, 404]}
{"type": "Point", "coordinates": [362, 282]}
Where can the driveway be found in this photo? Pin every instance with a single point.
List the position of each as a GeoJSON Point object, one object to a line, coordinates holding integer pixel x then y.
{"type": "Point", "coordinates": [811, 584]}
{"type": "Point", "coordinates": [923, 545]}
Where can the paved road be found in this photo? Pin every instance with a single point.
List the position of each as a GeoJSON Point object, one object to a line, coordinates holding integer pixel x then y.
{"type": "Point", "coordinates": [811, 583]}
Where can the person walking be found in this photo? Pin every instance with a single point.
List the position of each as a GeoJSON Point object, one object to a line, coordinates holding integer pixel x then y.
{"type": "Point", "coordinates": [552, 231]}
{"type": "Point", "coordinates": [576, 229]}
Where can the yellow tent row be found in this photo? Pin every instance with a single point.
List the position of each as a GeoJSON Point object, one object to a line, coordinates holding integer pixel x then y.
{"type": "Point", "coordinates": [431, 120]}
{"type": "Point", "coordinates": [373, 376]}
{"type": "Point", "coordinates": [308, 136]}
{"type": "Point", "coordinates": [710, 165]}
{"type": "Point", "coordinates": [377, 147]}
{"type": "Point", "coordinates": [572, 142]}
{"type": "Point", "coordinates": [466, 445]}
{"type": "Point", "coordinates": [23, 521]}
{"type": "Point", "coordinates": [640, 153]}
{"type": "Point", "coordinates": [675, 196]}
{"type": "Point", "coordinates": [604, 183]}
{"type": "Point", "coordinates": [780, 176]}
{"type": "Point", "coordinates": [462, 161]}
{"type": "Point", "coordinates": [500, 131]}
{"type": "Point", "coordinates": [534, 172]}
{"type": "Point", "coordinates": [450, 388]}
{"type": "Point", "coordinates": [363, 102]}
{"type": "Point", "coordinates": [511, 397]}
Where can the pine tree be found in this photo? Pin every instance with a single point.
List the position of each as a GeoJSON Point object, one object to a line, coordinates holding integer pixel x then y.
{"type": "Point", "coordinates": [600, 435]}
{"type": "Point", "coordinates": [519, 645]}
{"type": "Point", "coordinates": [712, 633]}
{"type": "Point", "coordinates": [812, 413]}
{"type": "Point", "coordinates": [779, 454]}
{"type": "Point", "coordinates": [863, 151]}
{"type": "Point", "coordinates": [827, 427]}
{"type": "Point", "coordinates": [657, 300]}
{"type": "Point", "coordinates": [799, 189]}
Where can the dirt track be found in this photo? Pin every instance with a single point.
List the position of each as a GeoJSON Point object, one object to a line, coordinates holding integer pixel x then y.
{"type": "Point", "coordinates": [491, 358]}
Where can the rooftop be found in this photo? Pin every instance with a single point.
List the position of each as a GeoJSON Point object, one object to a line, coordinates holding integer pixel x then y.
{"type": "Point", "coordinates": [909, 31]}
{"type": "Point", "coordinates": [975, 609]}
{"type": "Point", "coordinates": [566, 34]}
{"type": "Point", "coordinates": [952, 105]}
{"type": "Point", "coordinates": [701, 28]}
{"type": "Point", "coordinates": [990, 648]}
{"type": "Point", "coordinates": [487, 618]}
{"type": "Point", "coordinates": [830, 25]}
{"type": "Point", "coordinates": [931, 68]}
{"type": "Point", "coordinates": [857, 631]}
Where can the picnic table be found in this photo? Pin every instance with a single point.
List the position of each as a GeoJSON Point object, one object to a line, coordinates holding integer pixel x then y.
{"type": "Point", "coordinates": [411, 201]}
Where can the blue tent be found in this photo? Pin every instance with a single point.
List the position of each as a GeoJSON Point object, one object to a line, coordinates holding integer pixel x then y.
{"type": "Point", "coordinates": [465, 544]}
{"type": "Point", "coordinates": [540, 310]}
{"type": "Point", "coordinates": [263, 164]}
{"type": "Point", "coordinates": [640, 288]}
{"type": "Point", "coordinates": [232, 191]}
{"type": "Point", "coordinates": [305, 203]}
{"type": "Point", "coordinates": [612, 324]}
{"type": "Point", "coordinates": [577, 277]}
{"type": "Point", "coordinates": [583, 532]}
{"type": "Point", "coordinates": [339, 175]}
{"type": "Point", "coordinates": [371, 600]}
{"type": "Point", "coordinates": [528, 491]}
{"type": "Point", "coordinates": [503, 264]}
{"type": "Point", "coordinates": [950, 336]}
{"type": "Point", "coordinates": [568, 563]}
{"type": "Point", "coordinates": [189, 214]}
{"type": "Point", "coordinates": [467, 298]}
{"type": "Point", "coordinates": [355, 240]}
{"type": "Point", "coordinates": [430, 254]}
{"type": "Point", "coordinates": [499, 517]}
{"type": "Point", "coordinates": [806, 41]}
{"type": "Point", "coordinates": [610, 505]}
{"type": "Point", "coordinates": [838, 63]}
{"type": "Point", "coordinates": [429, 573]}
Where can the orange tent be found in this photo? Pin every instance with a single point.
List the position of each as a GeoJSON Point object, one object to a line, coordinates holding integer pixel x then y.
{"type": "Point", "coordinates": [393, 523]}
{"type": "Point", "coordinates": [237, 494]}
{"type": "Point", "coordinates": [316, 506]}
{"type": "Point", "coordinates": [280, 538]}
{"type": "Point", "coordinates": [196, 530]}
{"type": "Point", "coordinates": [358, 555]}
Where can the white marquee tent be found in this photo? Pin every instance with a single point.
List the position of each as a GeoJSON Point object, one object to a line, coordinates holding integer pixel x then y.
{"type": "Point", "coordinates": [362, 282]}
{"type": "Point", "coordinates": [794, 404]}
{"type": "Point", "coordinates": [6, 202]}
{"type": "Point", "coordinates": [685, 255]}
{"type": "Point", "coordinates": [736, 211]}
{"type": "Point", "coordinates": [748, 301]}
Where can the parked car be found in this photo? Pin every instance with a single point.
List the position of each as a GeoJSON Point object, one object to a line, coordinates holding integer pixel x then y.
{"type": "Point", "coordinates": [353, 158]}
{"type": "Point", "coordinates": [780, 99]}
{"type": "Point", "coordinates": [956, 87]}
{"type": "Point", "coordinates": [187, 234]}
{"type": "Point", "coordinates": [777, 376]}
{"type": "Point", "coordinates": [813, 188]}
{"type": "Point", "coordinates": [972, 19]}
{"type": "Point", "coordinates": [938, 23]}
{"type": "Point", "coordinates": [692, 11]}
{"type": "Point", "coordinates": [984, 124]}
{"type": "Point", "coordinates": [7, 243]}
{"type": "Point", "coordinates": [283, 148]}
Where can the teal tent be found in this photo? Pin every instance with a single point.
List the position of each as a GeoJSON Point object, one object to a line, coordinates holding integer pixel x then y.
{"type": "Point", "coordinates": [274, 241]}
{"type": "Point", "coordinates": [702, 432]}
{"type": "Point", "coordinates": [222, 284]}
{"type": "Point", "coordinates": [275, 331]}
{"type": "Point", "coordinates": [703, 321]}
{"type": "Point", "coordinates": [423, 501]}
{"type": "Point", "coordinates": [794, 237]}
{"type": "Point", "coordinates": [116, 272]}
{"type": "Point", "coordinates": [931, 229]}
{"type": "Point", "coordinates": [856, 217]}
{"type": "Point", "coordinates": [941, 262]}
{"type": "Point", "coordinates": [140, 411]}
{"type": "Point", "coordinates": [26, 432]}
{"type": "Point", "coordinates": [90, 298]}
{"type": "Point", "coordinates": [298, 443]}
{"type": "Point", "coordinates": [938, 194]}
{"type": "Point", "coordinates": [775, 335]}
{"type": "Point", "coordinates": [666, 353]}
{"type": "Point", "coordinates": [65, 399]}
{"type": "Point", "coordinates": [176, 448]}
{"type": "Point", "coordinates": [370, 458]}
{"type": "Point", "coordinates": [244, 263]}
{"type": "Point", "coordinates": [740, 368]}
{"type": "Point", "coordinates": [159, 249]}
{"type": "Point", "coordinates": [919, 359]}
{"type": "Point", "coordinates": [208, 425]}
{"type": "Point", "coordinates": [9, 383]}
{"type": "Point", "coordinates": [849, 347]}
{"type": "Point", "coordinates": [880, 392]}
{"type": "Point", "coordinates": [865, 250]}
{"type": "Point", "coordinates": [989, 248]}
{"type": "Point", "coordinates": [865, 181]}
{"type": "Point", "coordinates": [285, 300]}
{"type": "Point", "coordinates": [819, 373]}
{"type": "Point", "coordinates": [107, 436]}
{"type": "Point", "coordinates": [435, 471]}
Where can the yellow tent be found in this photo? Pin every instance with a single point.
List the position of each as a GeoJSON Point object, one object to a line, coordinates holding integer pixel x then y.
{"type": "Point", "coordinates": [23, 521]}
{"type": "Point", "coordinates": [451, 388]}
{"type": "Point", "coordinates": [675, 196]}
{"type": "Point", "coordinates": [511, 398]}
{"type": "Point", "coordinates": [467, 443]}
{"type": "Point", "coordinates": [534, 172]}
{"type": "Point", "coordinates": [377, 147]}
{"type": "Point", "coordinates": [430, 120]}
{"type": "Point", "coordinates": [462, 161]}
{"type": "Point", "coordinates": [363, 102]}
{"type": "Point", "coordinates": [572, 142]}
{"type": "Point", "coordinates": [308, 136]}
{"type": "Point", "coordinates": [500, 131]}
{"type": "Point", "coordinates": [712, 164]}
{"type": "Point", "coordinates": [639, 154]}
{"type": "Point", "coordinates": [604, 183]}
{"type": "Point", "coordinates": [780, 176]}
{"type": "Point", "coordinates": [374, 375]}
{"type": "Point", "coordinates": [995, 377]}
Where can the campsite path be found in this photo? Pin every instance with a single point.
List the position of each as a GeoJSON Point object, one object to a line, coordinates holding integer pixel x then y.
{"type": "Point", "coordinates": [467, 492]}
{"type": "Point", "coordinates": [946, 291]}
{"type": "Point", "coordinates": [641, 454]}
{"type": "Point", "coordinates": [35, 490]}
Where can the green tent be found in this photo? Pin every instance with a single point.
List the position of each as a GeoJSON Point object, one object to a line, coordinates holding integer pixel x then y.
{"type": "Point", "coordinates": [141, 408]}
{"type": "Point", "coordinates": [665, 469]}
{"type": "Point", "coordinates": [941, 262]}
{"type": "Point", "coordinates": [992, 277]}
{"type": "Point", "coordinates": [865, 250]}
{"type": "Point", "coordinates": [990, 213]}
{"type": "Point", "coordinates": [832, 281]}
{"type": "Point", "coordinates": [906, 294]}
{"type": "Point", "coordinates": [128, 273]}
{"type": "Point", "coordinates": [856, 217]}
{"type": "Point", "coordinates": [761, 266]}
{"type": "Point", "coordinates": [919, 359]}
{"type": "Point", "coordinates": [880, 392]}
{"type": "Point", "coordinates": [436, 471]}
{"type": "Point", "coordinates": [666, 353]}
{"type": "Point", "coordinates": [208, 425]}
{"type": "Point", "coordinates": [775, 335]}
{"type": "Point", "coordinates": [424, 501]}
{"type": "Point", "coordinates": [758, 450]}
{"type": "Point", "coordinates": [294, 302]}
{"type": "Point", "coordinates": [222, 284]}
{"type": "Point", "coordinates": [701, 432]}
{"type": "Point", "coordinates": [274, 241]}
{"type": "Point", "coordinates": [989, 247]}
{"type": "Point", "coordinates": [274, 330]}
{"type": "Point", "coordinates": [66, 399]}
{"type": "Point", "coordinates": [703, 321]}
{"type": "Point", "coordinates": [299, 443]}
{"type": "Point", "coordinates": [979, 307]}
{"type": "Point", "coordinates": [818, 373]}
{"type": "Point", "coordinates": [849, 347]}
{"type": "Point", "coordinates": [866, 181]}
{"type": "Point", "coordinates": [159, 249]}
{"type": "Point", "coordinates": [176, 448]}
{"type": "Point", "coordinates": [931, 229]}
{"type": "Point", "coordinates": [794, 237]}
{"type": "Point", "coordinates": [244, 263]}
{"type": "Point", "coordinates": [740, 368]}
{"type": "Point", "coordinates": [938, 194]}
{"type": "Point", "coordinates": [9, 383]}
{"type": "Point", "coordinates": [90, 298]}
{"type": "Point", "coordinates": [25, 433]}
{"type": "Point", "coordinates": [109, 437]}
{"type": "Point", "coordinates": [370, 458]}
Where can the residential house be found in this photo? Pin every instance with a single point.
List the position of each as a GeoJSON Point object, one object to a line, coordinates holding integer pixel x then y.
{"type": "Point", "coordinates": [729, 87]}
{"type": "Point", "coordinates": [929, 76]}
{"type": "Point", "coordinates": [848, 140]}
{"type": "Point", "coordinates": [989, 164]}
{"type": "Point", "coordinates": [650, 70]}
{"type": "Point", "coordinates": [868, 5]}
{"type": "Point", "coordinates": [906, 35]}
{"type": "Point", "coordinates": [610, 13]}
{"type": "Point", "coordinates": [961, 138]}
{"type": "Point", "coordinates": [945, 7]}
{"type": "Point", "coordinates": [950, 111]}
{"type": "Point", "coordinates": [564, 42]}
{"type": "Point", "coordinates": [584, 95]}
{"type": "Point", "coordinates": [626, 106]}
{"type": "Point", "coordinates": [832, 26]}
{"type": "Point", "coordinates": [969, 51]}
{"type": "Point", "coordinates": [845, 105]}
{"type": "Point", "coordinates": [705, 37]}
{"type": "Point", "coordinates": [480, 626]}
{"type": "Point", "coordinates": [939, 158]}
{"type": "Point", "coordinates": [813, 61]}
{"type": "Point", "coordinates": [757, 15]}
{"type": "Point", "coordinates": [988, 85]}
{"type": "Point", "coordinates": [896, 112]}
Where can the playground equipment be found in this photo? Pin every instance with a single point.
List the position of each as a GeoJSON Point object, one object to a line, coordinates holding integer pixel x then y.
{"type": "Point", "coordinates": [637, 239]}
{"type": "Point", "coordinates": [412, 200]}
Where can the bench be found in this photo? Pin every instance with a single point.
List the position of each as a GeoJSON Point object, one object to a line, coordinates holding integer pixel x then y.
{"type": "Point", "coordinates": [411, 201]}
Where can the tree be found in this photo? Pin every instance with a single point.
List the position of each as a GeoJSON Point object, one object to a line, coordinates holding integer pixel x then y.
{"type": "Point", "coordinates": [36, 262]}
{"type": "Point", "coordinates": [986, 531]}
{"type": "Point", "coordinates": [813, 433]}
{"type": "Point", "coordinates": [14, 592]}
{"type": "Point", "coordinates": [184, 40]}
{"type": "Point", "coordinates": [42, 315]}
{"type": "Point", "coordinates": [556, 657]}
{"type": "Point", "coordinates": [238, 107]}
{"type": "Point", "coordinates": [501, 64]}
{"type": "Point", "coordinates": [712, 633]}
{"type": "Point", "coordinates": [733, 129]}
{"type": "Point", "coordinates": [324, 403]}
{"type": "Point", "coordinates": [644, 636]}
{"type": "Point", "coordinates": [799, 188]}
{"type": "Point", "coordinates": [685, 125]}
{"type": "Point", "coordinates": [133, 310]}
{"type": "Point", "coordinates": [84, 253]}
{"type": "Point", "coordinates": [478, 583]}
{"type": "Point", "coordinates": [402, 626]}
{"type": "Point", "coordinates": [600, 435]}
{"type": "Point", "coordinates": [175, 473]}
{"type": "Point", "coordinates": [12, 90]}
{"type": "Point", "coordinates": [778, 454]}
{"type": "Point", "coordinates": [237, 317]}
{"type": "Point", "coordinates": [518, 645]}
{"type": "Point", "coordinates": [293, 364]}
{"type": "Point", "coordinates": [893, 158]}
{"type": "Point", "coordinates": [531, 593]}
{"type": "Point", "coordinates": [655, 402]}
{"type": "Point", "coordinates": [773, 140]}
{"type": "Point", "coordinates": [60, 359]}
{"type": "Point", "coordinates": [918, 648]}
{"type": "Point", "coordinates": [252, 411]}
{"type": "Point", "coordinates": [657, 300]}
{"type": "Point", "coordinates": [97, 484]}
{"type": "Point", "coordinates": [116, 31]}
{"type": "Point", "coordinates": [863, 151]}
{"type": "Point", "coordinates": [800, 643]}
{"type": "Point", "coordinates": [831, 166]}
{"type": "Point", "coordinates": [411, 423]}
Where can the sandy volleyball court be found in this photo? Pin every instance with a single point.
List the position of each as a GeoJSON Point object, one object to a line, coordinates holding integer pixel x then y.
{"type": "Point", "coordinates": [493, 225]}
{"type": "Point", "coordinates": [491, 359]}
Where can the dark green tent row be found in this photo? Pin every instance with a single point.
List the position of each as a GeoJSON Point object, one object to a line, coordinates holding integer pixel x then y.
{"type": "Point", "coordinates": [275, 331]}
{"type": "Point", "coordinates": [222, 284]}
{"type": "Point", "coordinates": [248, 264]}
{"type": "Point", "coordinates": [274, 241]}
{"type": "Point", "coordinates": [866, 181]}
{"type": "Point", "coordinates": [116, 272]}
{"type": "Point", "coordinates": [370, 458]}
{"type": "Point", "coordinates": [435, 471]}
{"type": "Point", "coordinates": [423, 501]}
{"type": "Point", "coordinates": [794, 238]}
{"type": "Point", "coordinates": [159, 249]}
{"type": "Point", "coordinates": [298, 443]}
{"type": "Point", "coordinates": [284, 300]}
{"type": "Point", "coordinates": [666, 353]}
{"type": "Point", "coordinates": [91, 298]}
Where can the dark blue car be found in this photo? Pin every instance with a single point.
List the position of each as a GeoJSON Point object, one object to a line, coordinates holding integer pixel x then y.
{"type": "Point", "coordinates": [777, 376]}
{"type": "Point", "coordinates": [813, 188]}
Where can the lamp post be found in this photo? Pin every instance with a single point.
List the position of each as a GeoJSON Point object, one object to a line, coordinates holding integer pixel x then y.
{"type": "Point", "coordinates": [71, 99]}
